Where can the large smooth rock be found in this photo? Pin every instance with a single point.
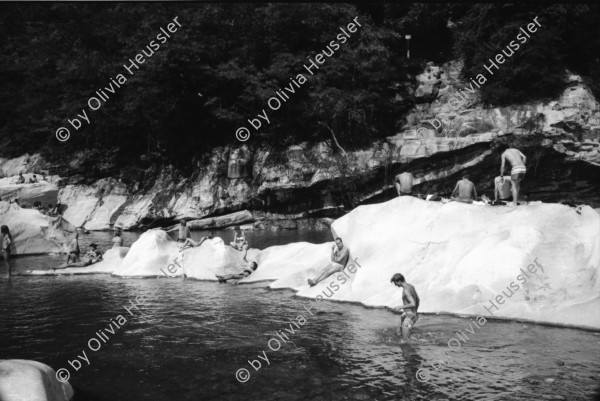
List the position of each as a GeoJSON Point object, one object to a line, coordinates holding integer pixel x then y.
{"type": "Point", "coordinates": [24, 380]}
{"type": "Point", "coordinates": [459, 257]}
{"type": "Point", "coordinates": [33, 232]}
{"type": "Point", "coordinates": [45, 192]}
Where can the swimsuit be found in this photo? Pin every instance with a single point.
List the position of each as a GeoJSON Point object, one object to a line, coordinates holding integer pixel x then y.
{"type": "Point", "coordinates": [517, 172]}
{"type": "Point", "coordinates": [408, 319]}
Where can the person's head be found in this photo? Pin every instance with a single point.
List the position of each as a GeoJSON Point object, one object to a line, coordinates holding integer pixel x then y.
{"type": "Point", "coordinates": [253, 265]}
{"type": "Point", "coordinates": [93, 247]}
{"type": "Point", "coordinates": [182, 222]}
{"type": "Point", "coordinates": [398, 279]}
{"type": "Point", "coordinates": [4, 230]}
{"type": "Point", "coordinates": [237, 229]}
{"type": "Point", "coordinates": [339, 242]}
{"type": "Point", "coordinates": [20, 174]}
{"type": "Point", "coordinates": [118, 232]}
{"type": "Point", "coordinates": [465, 176]}
{"type": "Point", "coordinates": [211, 234]}
{"type": "Point", "coordinates": [34, 176]}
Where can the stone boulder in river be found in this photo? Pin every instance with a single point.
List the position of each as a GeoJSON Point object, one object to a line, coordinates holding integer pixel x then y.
{"type": "Point", "coordinates": [24, 380]}
{"type": "Point", "coordinates": [33, 232]}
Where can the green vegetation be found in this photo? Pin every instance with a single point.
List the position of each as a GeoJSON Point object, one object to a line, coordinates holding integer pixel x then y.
{"type": "Point", "coordinates": [227, 60]}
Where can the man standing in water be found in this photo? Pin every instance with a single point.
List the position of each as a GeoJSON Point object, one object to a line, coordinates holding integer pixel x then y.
{"type": "Point", "coordinates": [410, 305]}
{"type": "Point", "coordinates": [517, 160]}
{"type": "Point", "coordinates": [404, 183]}
{"type": "Point", "coordinates": [339, 258]}
{"type": "Point", "coordinates": [465, 190]}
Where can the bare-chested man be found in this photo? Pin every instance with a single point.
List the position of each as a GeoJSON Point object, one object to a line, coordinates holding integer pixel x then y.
{"type": "Point", "coordinates": [502, 188]}
{"type": "Point", "coordinates": [517, 161]}
{"type": "Point", "coordinates": [409, 307]}
{"type": "Point", "coordinates": [404, 183]}
{"type": "Point", "coordinates": [339, 258]}
{"type": "Point", "coordinates": [465, 189]}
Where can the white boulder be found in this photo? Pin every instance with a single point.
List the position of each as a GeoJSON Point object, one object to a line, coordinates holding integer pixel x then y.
{"type": "Point", "coordinates": [33, 232]}
{"type": "Point", "coordinates": [24, 380]}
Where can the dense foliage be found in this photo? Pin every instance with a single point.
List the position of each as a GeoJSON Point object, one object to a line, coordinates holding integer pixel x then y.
{"type": "Point", "coordinates": [224, 63]}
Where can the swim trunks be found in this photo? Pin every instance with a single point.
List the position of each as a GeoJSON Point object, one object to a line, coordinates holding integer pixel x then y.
{"type": "Point", "coordinates": [408, 319]}
{"type": "Point", "coordinates": [338, 266]}
{"type": "Point", "coordinates": [517, 172]}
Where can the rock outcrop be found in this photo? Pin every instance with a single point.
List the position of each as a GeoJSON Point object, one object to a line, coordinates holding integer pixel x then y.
{"type": "Point", "coordinates": [441, 138]}
{"type": "Point", "coordinates": [33, 232]}
{"type": "Point", "coordinates": [539, 262]}
{"type": "Point", "coordinates": [22, 380]}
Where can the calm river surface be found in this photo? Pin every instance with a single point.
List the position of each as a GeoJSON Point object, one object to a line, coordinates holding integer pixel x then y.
{"type": "Point", "coordinates": [194, 336]}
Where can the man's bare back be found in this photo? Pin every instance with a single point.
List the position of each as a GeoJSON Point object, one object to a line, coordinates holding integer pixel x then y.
{"type": "Point", "coordinates": [466, 190]}
{"type": "Point", "coordinates": [404, 183]}
{"type": "Point", "coordinates": [514, 157]}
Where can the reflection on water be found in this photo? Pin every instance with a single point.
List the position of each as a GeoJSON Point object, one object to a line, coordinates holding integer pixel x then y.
{"type": "Point", "coordinates": [196, 335]}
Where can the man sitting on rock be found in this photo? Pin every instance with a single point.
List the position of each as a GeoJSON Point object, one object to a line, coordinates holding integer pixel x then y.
{"type": "Point", "coordinates": [465, 189]}
{"type": "Point", "coordinates": [502, 189]}
{"type": "Point", "coordinates": [248, 270]}
{"type": "Point", "coordinates": [404, 183]}
{"type": "Point", "coordinates": [92, 256]}
{"type": "Point", "coordinates": [339, 258]}
{"type": "Point", "coordinates": [21, 179]}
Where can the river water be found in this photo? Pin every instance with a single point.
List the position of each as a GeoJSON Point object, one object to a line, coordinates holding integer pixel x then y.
{"type": "Point", "coordinates": [190, 338]}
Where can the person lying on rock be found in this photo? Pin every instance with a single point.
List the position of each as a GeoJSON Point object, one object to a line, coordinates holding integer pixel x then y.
{"type": "Point", "coordinates": [190, 243]}
{"type": "Point", "coordinates": [239, 241]}
{"type": "Point", "coordinates": [248, 270]}
{"type": "Point", "coordinates": [465, 190]}
{"type": "Point", "coordinates": [339, 258]}
{"type": "Point", "coordinates": [409, 307]}
{"type": "Point", "coordinates": [92, 256]}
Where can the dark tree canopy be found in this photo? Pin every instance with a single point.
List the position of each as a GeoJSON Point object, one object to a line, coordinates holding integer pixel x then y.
{"type": "Point", "coordinates": [224, 63]}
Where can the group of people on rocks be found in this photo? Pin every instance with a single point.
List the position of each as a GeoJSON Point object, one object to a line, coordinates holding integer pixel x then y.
{"type": "Point", "coordinates": [33, 180]}
{"type": "Point", "coordinates": [505, 186]}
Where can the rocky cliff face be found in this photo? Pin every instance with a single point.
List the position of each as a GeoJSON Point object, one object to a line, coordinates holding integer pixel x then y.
{"type": "Point", "coordinates": [446, 133]}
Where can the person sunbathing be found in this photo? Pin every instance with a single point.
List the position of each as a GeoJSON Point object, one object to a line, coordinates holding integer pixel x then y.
{"type": "Point", "coordinates": [248, 270]}
{"type": "Point", "coordinates": [92, 256]}
{"type": "Point", "coordinates": [339, 258]}
{"type": "Point", "coordinates": [190, 243]}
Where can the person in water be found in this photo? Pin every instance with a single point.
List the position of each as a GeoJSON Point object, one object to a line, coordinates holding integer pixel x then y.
{"type": "Point", "coordinates": [239, 241]}
{"type": "Point", "coordinates": [190, 243]}
{"type": "Point", "coordinates": [502, 188]}
{"type": "Point", "coordinates": [409, 307]}
{"type": "Point", "coordinates": [6, 244]}
{"type": "Point", "coordinates": [465, 190]}
{"type": "Point", "coordinates": [92, 256]}
{"type": "Point", "coordinates": [117, 241]}
{"type": "Point", "coordinates": [339, 258]}
{"type": "Point", "coordinates": [517, 161]}
{"type": "Point", "coordinates": [73, 249]}
{"type": "Point", "coordinates": [404, 183]}
{"type": "Point", "coordinates": [248, 270]}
